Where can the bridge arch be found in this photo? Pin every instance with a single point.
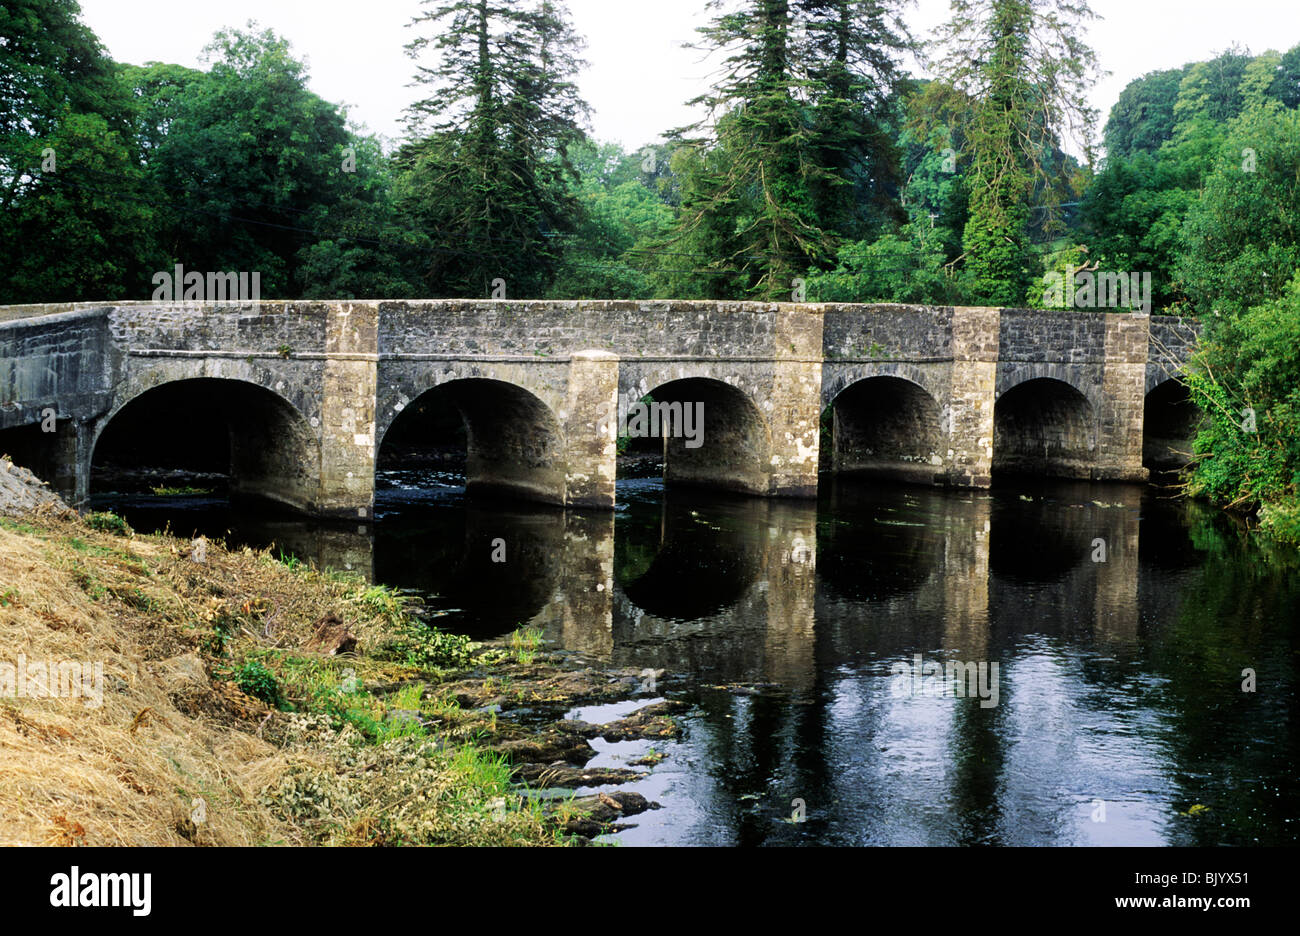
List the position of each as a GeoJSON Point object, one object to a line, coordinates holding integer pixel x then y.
{"type": "Point", "coordinates": [1083, 378]}
{"type": "Point", "coordinates": [1044, 426]}
{"type": "Point", "coordinates": [719, 437]}
{"type": "Point", "coordinates": [512, 440]}
{"type": "Point", "coordinates": [888, 426]}
{"type": "Point", "coordinates": [1169, 422]}
{"type": "Point", "coordinates": [262, 444]}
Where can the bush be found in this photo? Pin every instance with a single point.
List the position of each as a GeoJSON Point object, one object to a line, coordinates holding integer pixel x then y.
{"type": "Point", "coordinates": [107, 522]}
{"type": "Point", "coordinates": [256, 680]}
{"type": "Point", "coordinates": [1246, 378]}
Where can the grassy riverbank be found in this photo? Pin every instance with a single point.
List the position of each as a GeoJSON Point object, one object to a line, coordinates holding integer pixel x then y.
{"type": "Point", "coordinates": [225, 720]}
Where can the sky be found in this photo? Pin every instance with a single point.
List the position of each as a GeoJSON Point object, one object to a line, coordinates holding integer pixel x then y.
{"type": "Point", "coordinates": [639, 76]}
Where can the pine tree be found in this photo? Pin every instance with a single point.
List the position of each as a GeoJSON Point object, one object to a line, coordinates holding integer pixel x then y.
{"type": "Point", "coordinates": [851, 50]}
{"type": "Point", "coordinates": [484, 172]}
{"type": "Point", "coordinates": [1025, 72]}
{"type": "Point", "coordinates": [769, 176]}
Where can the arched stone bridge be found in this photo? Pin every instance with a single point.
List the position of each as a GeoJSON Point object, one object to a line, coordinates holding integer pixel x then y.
{"type": "Point", "coordinates": [306, 392]}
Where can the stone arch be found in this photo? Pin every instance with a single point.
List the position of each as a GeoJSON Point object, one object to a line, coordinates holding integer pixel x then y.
{"type": "Point", "coordinates": [249, 432]}
{"type": "Point", "coordinates": [514, 444]}
{"type": "Point", "coordinates": [888, 427]}
{"type": "Point", "coordinates": [1044, 426]}
{"type": "Point", "coordinates": [846, 376]}
{"type": "Point", "coordinates": [714, 433]}
{"type": "Point", "coordinates": [1084, 378]}
{"type": "Point", "coordinates": [1169, 422]}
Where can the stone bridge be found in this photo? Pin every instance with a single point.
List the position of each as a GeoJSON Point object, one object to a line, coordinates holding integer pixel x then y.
{"type": "Point", "coordinates": [296, 399]}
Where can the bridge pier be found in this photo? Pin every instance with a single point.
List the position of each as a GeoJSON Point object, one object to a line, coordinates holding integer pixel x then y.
{"type": "Point", "coordinates": [348, 399]}
{"type": "Point", "coordinates": [975, 337]}
{"type": "Point", "coordinates": [590, 420]}
{"type": "Point", "coordinates": [1123, 394]}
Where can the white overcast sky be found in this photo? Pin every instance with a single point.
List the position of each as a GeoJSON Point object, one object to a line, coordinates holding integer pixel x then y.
{"type": "Point", "coordinates": [638, 77]}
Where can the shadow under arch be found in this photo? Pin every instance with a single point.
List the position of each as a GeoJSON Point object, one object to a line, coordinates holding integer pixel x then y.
{"type": "Point", "coordinates": [1043, 427]}
{"type": "Point", "coordinates": [731, 447]}
{"type": "Point", "coordinates": [1169, 423]}
{"type": "Point", "coordinates": [254, 441]}
{"type": "Point", "coordinates": [887, 427]}
{"type": "Point", "coordinates": [513, 443]}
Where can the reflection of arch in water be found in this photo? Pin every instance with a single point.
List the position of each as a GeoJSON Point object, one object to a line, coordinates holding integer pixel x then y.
{"type": "Point", "coordinates": [250, 434]}
{"type": "Point", "coordinates": [1043, 427]}
{"type": "Point", "coordinates": [513, 442]}
{"type": "Point", "coordinates": [869, 550]}
{"type": "Point", "coordinates": [685, 566]}
{"type": "Point", "coordinates": [888, 427]}
{"type": "Point", "coordinates": [1169, 422]}
{"type": "Point", "coordinates": [1044, 536]}
{"type": "Point", "coordinates": [451, 552]}
{"type": "Point", "coordinates": [722, 587]}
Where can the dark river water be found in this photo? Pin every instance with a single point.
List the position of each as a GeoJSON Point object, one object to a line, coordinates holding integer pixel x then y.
{"type": "Point", "coordinates": [1091, 642]}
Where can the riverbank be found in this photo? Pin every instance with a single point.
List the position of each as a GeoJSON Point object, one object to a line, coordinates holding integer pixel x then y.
{"type": "Point", "coordinates": [225, 697]}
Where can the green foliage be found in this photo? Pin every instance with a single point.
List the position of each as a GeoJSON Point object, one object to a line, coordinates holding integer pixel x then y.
{"type": "Point", "coordinates": [487, 171]}
{"type": "Point", "coordinates": [1142, 120]}
{"type": "Point", "coordinates": [71, 191]}
{"type": "Point", "coordinates": [1251, 361]}
{"type": "Point", "coordinates": [1241, 244]}
{"type": "Point", "coordinates": [793, 133]}
{"type": "Point", "coordinates": [249, 155]}
{"type": "Point", "coordinates": [427, 648]}
{"type": "Point", "coordinates": [607, 256]}
{"type": "Point", "coordinates": [254, 679]}
{"type": "Point", "coordinates": [894, 268]}
{"type": "Point", "coordinates": [108, 522]}
{"type": "Point", "coordinates": [1026, 88]}
{"type": "Point", "coordinates": [1133, 218]}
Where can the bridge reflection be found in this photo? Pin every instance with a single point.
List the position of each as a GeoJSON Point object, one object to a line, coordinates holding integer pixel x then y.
{"type": "Point", "coordinates": [756, 590]}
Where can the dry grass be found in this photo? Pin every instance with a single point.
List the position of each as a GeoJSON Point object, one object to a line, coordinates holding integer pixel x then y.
{"type": "Point", "coordinates": [168, 734]}
{"type": "Point", "coordinates": [128, 771]}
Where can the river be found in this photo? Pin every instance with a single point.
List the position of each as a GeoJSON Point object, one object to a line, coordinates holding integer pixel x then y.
{"type": "Point", "coordinates": [1095, 645]}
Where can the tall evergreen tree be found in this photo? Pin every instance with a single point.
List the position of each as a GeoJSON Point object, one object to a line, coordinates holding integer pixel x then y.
{"type": "Point", "coordinates": [1027, 70]}
{"type": "Point", "coordinates": [768, 176]}
{"type": "Point", "coordinates": [852, 48]}
{"type": "Point", "coordinates": [485, 171]}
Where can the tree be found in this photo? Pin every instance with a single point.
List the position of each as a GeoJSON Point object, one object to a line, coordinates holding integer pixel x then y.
{"type": "Point", "coordinates": [485, 173]}
{"type": "Point", "coordinates": [1133, 218]}
{"type": "Point", "coordinates": [1286, 86]}
{"type": "Point", "coordinates": [905, 267]}
{"type": "Point", "coordinates": [74, 217]}
{"type": "Point", "coordinates": [791, 155]}
{"type": "Point", "coordinates": [1249, 366]}
{"type": "Point", "coordinates": [747, 200]}
{"type": "Point", "coordinates": [607, 257]}
{"type": "Point", "coordinates": [1026, 69]}
{"type": "Point", "coordinates": [251, 161]}
{"type": "Point", "coordinates": [852, 49]}
{"type": "Point", "coordinates": [1242, 237]}
{"type": "Point", "coordinates": [1143, 117]}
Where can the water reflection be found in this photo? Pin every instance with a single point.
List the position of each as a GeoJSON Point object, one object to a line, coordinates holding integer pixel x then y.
{"type": "Point", "coordinates": [1121, 623]}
